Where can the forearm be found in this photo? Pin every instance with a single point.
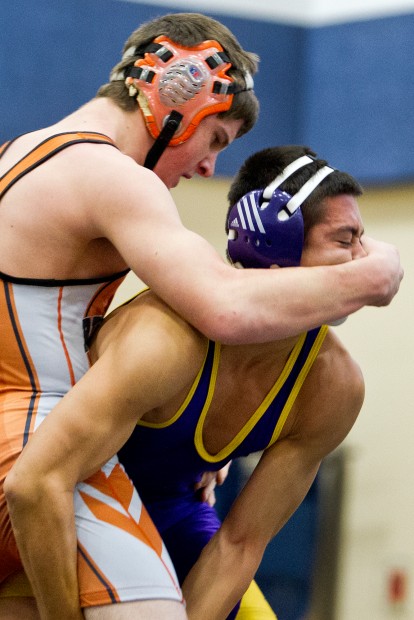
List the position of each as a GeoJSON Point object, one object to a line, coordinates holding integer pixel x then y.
{"type": "Point", "coordinates": [44, 529]}
{"type": "Point", "coordinates": [214, 586]}
{"type": "Point", "coordinates": [295, 301]}
{"type": "Point", "coordinates": [256, 305]}
{"type": "Point", "coordinates": [309, 297]}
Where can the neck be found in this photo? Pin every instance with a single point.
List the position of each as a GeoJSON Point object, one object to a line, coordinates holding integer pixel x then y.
{"type": "Point", "coordinates": [262, 352]}
{"type": "Point", "coordinates": [127, 129]}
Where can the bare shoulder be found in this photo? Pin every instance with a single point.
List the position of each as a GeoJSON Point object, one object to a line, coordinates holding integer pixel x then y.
{"type": "Point", "coordinates": [102, 166]}
{"type": "Point", "coordinates": [336, 367]}
{"type": "Point", "coordinates": [331, 398]}
{"type": "Point", "coordinates": [146, 331]}
{"type": "Point", "coordinates": [116, 193]}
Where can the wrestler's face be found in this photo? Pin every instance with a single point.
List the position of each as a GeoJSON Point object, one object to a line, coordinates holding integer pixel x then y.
{"type": "Point", "coordinates": [199, 153]}
{"type": "Point", "coordinates": [337, 238]}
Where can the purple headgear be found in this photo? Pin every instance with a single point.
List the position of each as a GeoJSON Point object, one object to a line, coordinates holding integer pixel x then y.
{"type": "Point", "coordinates": [266, 226]}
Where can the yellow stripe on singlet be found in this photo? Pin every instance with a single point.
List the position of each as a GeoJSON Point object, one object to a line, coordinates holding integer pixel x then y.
{"type": "Point", "coordinates": [299, 382]}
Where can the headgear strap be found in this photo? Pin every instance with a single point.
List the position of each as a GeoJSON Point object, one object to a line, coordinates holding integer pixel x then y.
{"type": "Point", "coordinates": [285, 174]}
{"type": "Point", "coordinates": [163, 140]}
{"type": "Point", "coordinates": [305, 191]}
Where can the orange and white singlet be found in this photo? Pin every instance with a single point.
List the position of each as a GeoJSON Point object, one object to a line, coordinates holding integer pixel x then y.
{"type": "Point", "coordinates": [121, 556]}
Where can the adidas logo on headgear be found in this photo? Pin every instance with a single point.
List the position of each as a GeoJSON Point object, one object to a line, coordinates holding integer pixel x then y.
{"type": "Point", "coordinates": [235, 223]}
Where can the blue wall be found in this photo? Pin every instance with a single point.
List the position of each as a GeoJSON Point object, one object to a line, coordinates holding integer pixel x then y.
{"type": "Point", "coordinates": [358, 104]}
{"type": "Point", "coordinates": [347, 90]}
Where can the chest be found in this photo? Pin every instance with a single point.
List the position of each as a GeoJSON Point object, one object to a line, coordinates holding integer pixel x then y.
{"type": "Point", "coordinates": [236, 406]}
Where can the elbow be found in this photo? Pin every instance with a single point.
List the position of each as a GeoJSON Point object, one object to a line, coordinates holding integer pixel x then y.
{"type": "Point", "coordinates": [222, 327]}
{"type": "Point", "coordinates": [231, 313]}
{"type": "Point", "coordinates": [25, 493]}
{"type": "Point", "coordinates": [243, 549]}
{"type": "Point", "coordinates": [228, 324]}
{"type": "Point", "coordinates": [19, 493]}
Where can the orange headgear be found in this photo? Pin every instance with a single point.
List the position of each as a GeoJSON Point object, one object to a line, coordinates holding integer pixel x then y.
{"type": "Point", "coordinates": [189, 80]}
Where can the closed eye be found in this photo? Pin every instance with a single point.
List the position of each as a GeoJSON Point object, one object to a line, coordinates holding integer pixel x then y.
{"type": "Point", "coordinates": [220, 141]}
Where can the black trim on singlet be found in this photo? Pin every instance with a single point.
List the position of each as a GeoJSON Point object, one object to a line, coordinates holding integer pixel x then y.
{"type": "Point", "coordinates": [6, 145]}
{"type": "Point", "coordinates": [99, 575]}
{"type": "Point", "coordinates": [50, 154]}
{"type": "Point", "coordinates": [71, 282]}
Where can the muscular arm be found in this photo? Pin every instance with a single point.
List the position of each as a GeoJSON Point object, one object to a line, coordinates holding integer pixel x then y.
{"type": "Point", "coordinates": [276, 488]}
{"type": "Point", "coordinates": [140, 218]}
{"type": "Point", "coordinates": [133, 375]}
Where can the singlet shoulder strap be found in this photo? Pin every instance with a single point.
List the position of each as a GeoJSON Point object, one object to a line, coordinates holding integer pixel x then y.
{"type": "Point", "coordinates": [5, 146]}
{"type": "Point", "coordinates": [44, 151]}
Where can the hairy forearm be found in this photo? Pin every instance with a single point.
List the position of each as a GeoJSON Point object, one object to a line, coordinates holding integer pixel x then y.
{"type": "Point", "coordinates": [44, 529]}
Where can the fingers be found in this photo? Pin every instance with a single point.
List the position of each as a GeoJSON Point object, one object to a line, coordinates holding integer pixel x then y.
{"type": "Point", "coordinates": [208, 495]}
{"type": "Point", "coordinates": [223, 473]}
{"type": "Point", "coordinates": [209, 481]}
{"type": "Point", "coordinates": [206, 479]}
{"type": "Point", "coordinates": [386, 269]}
{"type": "Point", "coordinates": [206, 486]}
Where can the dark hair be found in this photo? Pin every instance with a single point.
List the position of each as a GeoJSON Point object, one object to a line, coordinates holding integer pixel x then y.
{"type": "Point", "coordinates": [259, 170]}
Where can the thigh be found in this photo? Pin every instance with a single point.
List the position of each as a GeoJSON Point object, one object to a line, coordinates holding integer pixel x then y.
{"type": "Point", "coordinates": [15, 605]}
{"type": "Point", "coordinates": [121, 556]}
{"type": "Point", "coordinates": [138, 610]}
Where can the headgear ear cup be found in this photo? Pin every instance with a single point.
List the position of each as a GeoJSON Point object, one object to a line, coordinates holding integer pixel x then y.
{"type": "Point", "coordinates": [257, 238]}
{"type": "Point", "coordinates": [190, 80]}
{"type": "Point", "coordinates": [266, 226]}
